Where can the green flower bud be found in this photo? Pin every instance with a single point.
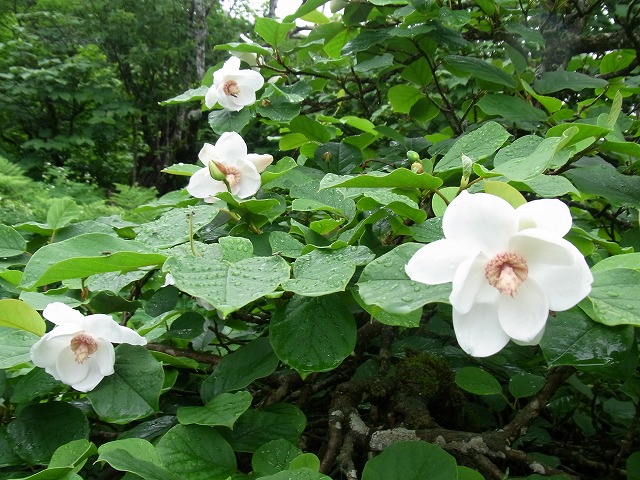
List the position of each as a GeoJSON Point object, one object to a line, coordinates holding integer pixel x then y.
{"type": "Point", "coordinates": [413, 156]}
{"type": "Point", "coordinates": [217, 171]}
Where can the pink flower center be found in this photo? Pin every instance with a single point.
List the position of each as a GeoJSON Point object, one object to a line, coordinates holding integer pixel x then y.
{"type": "Point", "coordinates": [231, 87]}
{"type": "Point", "coordinates": [83, 346]}
{"type": "Point", "coordinates": [506, 272]}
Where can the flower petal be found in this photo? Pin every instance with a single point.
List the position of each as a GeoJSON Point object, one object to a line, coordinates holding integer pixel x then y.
{"type": "Point", "coordinates": [470, 285]}
{"type": "Point", "coordinates": [249, 182]}
{"type": "Point", "coordinates": [436, 262]}
{"type": "Point", "coordinates": [524, 315]}
{"type": "Point", "coordinates": [539, 246]}
{"type": "Point", "coordinates": [208, 153]}
{"type": "Point", "coordinates": [201, 185]}
{"type": "Point", "coordinates": [92, 378]}
{"type": "Point", "coordinates": [69, 371]}
{"type": "Point", "coordinates": [105, 327]}
{"type": "Point", "coordinates": [563, 285]}
{"type": "Point", "coordinates": [231, 66]}
{"type": "Point", "coordinates": [104, 357]}
{"type": "Point", "coordinates": [231, 146]}
{"type": "Point", "coordinates": [548, 214]}
{"type": "Point", "coordinates": [44, 353]}
{"type": "Point", "coordinates": [260, 161]}
{"type": "Point", "coordinates": [484, 221]}
{"type": "Point", "coordinates": [211, 97]}
{"type": "Point", "coordinates": [61, 314]}
{"type": "Point", "coordinates": [479, 332]}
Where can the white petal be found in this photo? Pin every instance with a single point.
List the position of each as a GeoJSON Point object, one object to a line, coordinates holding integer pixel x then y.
{"type": "Point", "coordinates": [231, 146]}
{"type": "Point", "coordinates": [249, 180]}
{"type": "Point", "coordinates": [44, 353]}
{"type": "Point", "coordinates": [470, 285]}
{"type": "Point", "coordinates": [208, 153]}
{"type": "Point", "coordinates": [103, 326]}
{"type": "Point", "coordinates": [245, 96]}
{"type": "Point", "coordinates": [211, 97]}
{"type": "Point", "coordinates": [69, 371]}
{"type": "Point", "coordinates": [104, 357]}
{"type": "Point", "coordinates": [201, 185]}
{"type": "Point", "coordinates": [563, 285]}
{"type": "Point", "coordinates": [539, 246]}
{"type": "Point", "coordinates": [249, 79]}
{"type": "Point", "coordinates": [231, 66]}
{"type": "Point", "coordinates": [437, 262]}
{"type": "Point", "coordinates": [61, 314]}
{"type": "Point", "coordinates": [482, 220]}
{"type": "Point", "coordinates": [534, 341]}
{"type": "Point", "coordinates": [548, 214]}
{"type": "Point", "coordinates": [479, 332]}
{"type": "Point", "coordinates": [260, 161]}
{"type": "Point", "coordinates": [524, 315]}
{"type": "Point", "coordinates": [92, 378]}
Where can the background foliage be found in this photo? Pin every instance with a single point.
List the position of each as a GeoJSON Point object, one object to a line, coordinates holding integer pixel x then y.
{"type": "Point", "coordinates": [292, 344]}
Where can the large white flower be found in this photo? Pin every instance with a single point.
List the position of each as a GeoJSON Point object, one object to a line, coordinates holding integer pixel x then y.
{"type": "Point", "coordinates": [508, 268]}
{"type": "Point", "coordinates": [241, 171]}
{"type": "Point", "coordinates": [78, 350]}
{"type": "Point", "coordinates": [233, 88]}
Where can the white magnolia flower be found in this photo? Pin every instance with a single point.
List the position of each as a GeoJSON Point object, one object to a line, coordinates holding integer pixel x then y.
{"type": "Point", "coordinates": [78, 351]}
{"type": "Point", "coordinates": [241, 171]}
{"type": "Point", "coordinates": [508, 267]}
{"type": "Point", "coordinates": [233, 88]}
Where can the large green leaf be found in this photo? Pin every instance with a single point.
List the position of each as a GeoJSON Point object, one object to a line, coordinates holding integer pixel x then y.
{"type": "Point", "coordinates": [176, 226]}
{"type": "Point", "coordinates": [11, 242]}
{"type": "Point", "coordinates": [273, 457]}
{"type": "Point", "coordinates": [303, 473]}
{"type": "Point", "coordinates": [17, 314]}
{"type": "Point", "coordinates": [605, 181]}
{"type": "Point", "coordinates": [399, 178]}
{"type": "Point", "coordinates": [257, 427]}
{"type": "Point", "coordinates": [571, 338]}
{"type": "Point", "coordinates": [197, 453]}
{"type": "Point", "coordinates": [614, 297]}
{"type": "Point", "coordinates": [481, 70]}
{"type": "Point", "coordinates": [272, 31]}
{"type": "Point", "coordinates": [62, 212]}
{"type": "Point", "coordinates": [223, 280]}
{"type": "Point", "coordinates": [40, 428]}
{"type": "Point", "coordinates": [137, 456]}
{"type": "Point", "coordinates": [411, 460]}
{"type": "Point", "coordinates": [512, 109]}
{"type": "Point", "coordinates": [238, 369]}
{"type": "Point", "coordinates": [133, 391]}
{"type": "Point", "coordinates": [384, 283]}
{"type": "Point", "coordinates": [223, 410]}
{"type": "Point", "coordinates": [222, 121]}
{"type": "Point", "coordinates": [85, 255]}
{"type": "Point", "coordinates": [403, 97]}
{"type": "Point", "coordinates": [477, 145]}
{"type": "Point", "coordinates": [321, 272]}
{"type": "Point", "coordinates": [313, 334]}
{"type": "Point", "coordinates": [477, 381]}
{"type": "Point", "coordinates": [16, 345]}
{"type": "Point", "coordinates": [550, 82]}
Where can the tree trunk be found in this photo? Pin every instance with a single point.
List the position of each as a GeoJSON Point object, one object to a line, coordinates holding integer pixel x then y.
{"type": "Point", "coordinates": [273, 5]}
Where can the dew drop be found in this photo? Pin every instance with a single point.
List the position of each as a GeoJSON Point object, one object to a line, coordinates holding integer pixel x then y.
{"type": "Point", "coordinates": [613, 294]}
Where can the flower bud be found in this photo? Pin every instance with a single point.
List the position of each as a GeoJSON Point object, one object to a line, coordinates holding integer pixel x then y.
{"type": "Point", "coordinates": [416, 167]}
{"type": "Point", "coordinates": [467, 169]}
{"type": "Point", "coordinates": [217, 171]}
{"type": "Point", "coordinates": [413, 156]}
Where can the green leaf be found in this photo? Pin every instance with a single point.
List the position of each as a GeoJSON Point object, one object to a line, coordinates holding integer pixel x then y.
{"type": "Point", "coordinates": [313, 334]}
{"type": "Point", "coordinates": [550, 82]}
{"type": "Point", "coordinates": [272, 31]}
{"type": "Point", "coordinates": [477, 381]}
{"type": "Point", "coordinates": [17, 314]}
{"type": "Point", "coordinates": [305, 460]}
{"type": "Point", "coordinates": [278, 108]}
{"type": "Point", "coordinates": [190, 95]}
{"type": "Point", "coordinates": [133, 391]}
{"type": "Point", "coordinates": [34, 384]}
{"type": "Point", "coordinates": [226, 284]}
{"type": "Point", "coordinates": [512, 109]}
{"type": "Point", "coordinates": [411, 460]}
{"type": "Point", "coordinates": [614, 297]}
{"type": "Point", "coordinates": [182, 452]}
{"type": "Point", "coordinates": [176, 226]}
{"type": "Point", "coordinates": [399, 178]}
{"type": "Point", "coordinates": [571, 338]}
{"type": "Point", "coordinates": [72, 453]}
{"type": "Point", "coordinates": [136, 456]}
{"type": "Point", "coordinates": [223, 410]}
{"type": "Point", "coordinates": [239, 368]}
{"type": "Point", "coordinates": [278, 169]}
{"type": "Point", "coordinates": [8, 457]}
{"type": "Point", "coordinates": [630, 260]}
{"type": "Point", "coordinates": [321, 272]}
{"type": "Point", "coordinates": [403, 97]}
{"type": "Point", "coordinates": [525, 384]}
{"type": "Point", "coordinates": [310, 128]}
{"type": "Point", "coordinates": [16, 345]}
{"type": "Point", "coordinates": [222, 121]}
{"type": "Point", "coordinates": [633, 466]}
{"type": "Point", "coordinates": [257, 427]}
{"type": "Point", "coordinates": [11, 242]}
{"type": "Point", "coordinates": [62, 212]}
{"type": "Point", "coordinates": [477, 145]}
{"type": "Point", "coordinates": [418, 72]}
{"type": "Point", "coordinates": [398, 204]}
{"type": "Point", "coordinates": [300, 474]}
{"type": "Point", "coordinates": [552, 104]}
{"type": "Point", "coordinates": [466, 473]}
{"type": "Point", "coordinates": [39, 429]}
{"type": "Point", "coordinates": [481, 70]}
{"type": "Point", "coordinates": [184, 169]}
{"type": "Point", "coordinates": [505, 191]}
{"type": "Point", "coordinates": [605, 181]}
{"type": "Point", "coordinates": [85, 255]}
{"type": "Point", "coordinates": [273, 457]}
{"type": "Point", "coordinates": [338, 158]}
{"type": "Point", "coordinates": [384, 283]}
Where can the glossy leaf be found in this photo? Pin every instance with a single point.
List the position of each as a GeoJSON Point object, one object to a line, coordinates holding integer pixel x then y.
{"type": "Point", "coordinates": [274, 456]}
{"type": "Point", "coordinates": [477, 381]}
{"type": "Point", "coordinates": [223, 410]}
{"type": "Point", "coordinates": [399, 178]}
{"type": "Point", "coordinates": [11, 242]}
{"type": "Point", "coordinates": [18, 314]}
{"type": "Point", "coordinates": [614, 297]}
{"type": "Point", "coordinates": [411, 460]}
{"type": "Point", "coordinates": [16, 345]}
{"type": "Point", "coordinates": [176, 226]}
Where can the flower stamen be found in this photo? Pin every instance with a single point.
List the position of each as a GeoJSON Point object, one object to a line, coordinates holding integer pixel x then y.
{"type": "Point", "coordinates": [83, 346]}
{"type": "Point", "coordinates": [231, 87]}
{"type": "Point", "coordinates": [506, 272]}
